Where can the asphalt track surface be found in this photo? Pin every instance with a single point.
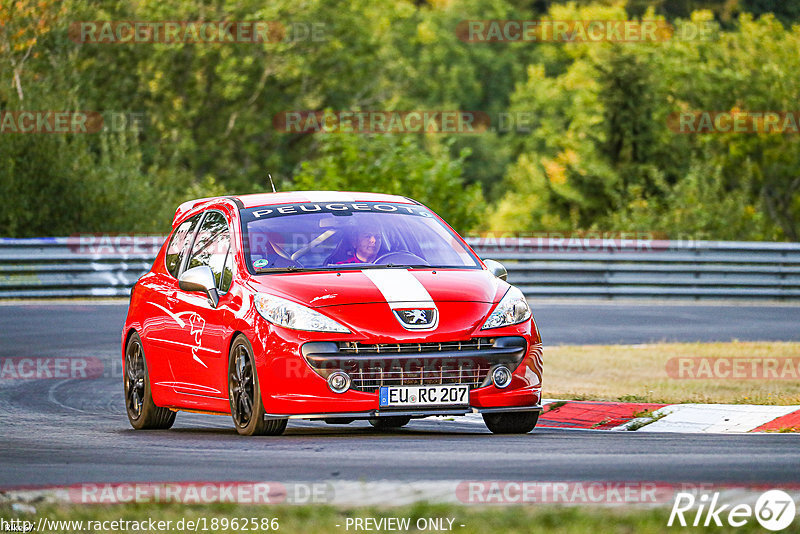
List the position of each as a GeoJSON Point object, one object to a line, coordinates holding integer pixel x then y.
{"type": "Point", "coordinates": [65, 431]}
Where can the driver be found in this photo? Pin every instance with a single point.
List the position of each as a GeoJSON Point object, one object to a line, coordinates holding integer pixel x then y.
{"type": "Point", "coordinates": [367, 243]}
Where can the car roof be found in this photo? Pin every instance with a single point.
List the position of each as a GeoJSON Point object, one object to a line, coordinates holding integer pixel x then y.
{"type": "Point", "coordinates": [287, 197]}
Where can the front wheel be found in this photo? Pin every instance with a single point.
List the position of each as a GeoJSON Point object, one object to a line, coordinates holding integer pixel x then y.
{"type": "Point", "coordinates": [142, 411]}
{"type": "Point", "coordinates": [244, 394]}
{"type": "Point", "coordinates": [511, 422]}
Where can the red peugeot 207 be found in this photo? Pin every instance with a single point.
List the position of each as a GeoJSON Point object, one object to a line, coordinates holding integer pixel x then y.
{"type": "Point", "coordinates": [327, 305]}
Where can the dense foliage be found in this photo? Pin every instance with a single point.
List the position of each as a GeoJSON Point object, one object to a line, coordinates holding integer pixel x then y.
{"type": "Point", "coordinates": [595, 152]}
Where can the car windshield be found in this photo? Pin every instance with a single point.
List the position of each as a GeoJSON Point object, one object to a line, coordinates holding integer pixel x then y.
{"type": "Point", "coordinates": [347, 235]}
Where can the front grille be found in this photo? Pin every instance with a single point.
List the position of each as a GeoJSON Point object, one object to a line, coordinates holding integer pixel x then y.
{"type": "Point", "coordinates": [371, 377]}
{"type": "Point", "coordinates": [354, 347]}
{"type": "Point", "coordinates": [371, 366]}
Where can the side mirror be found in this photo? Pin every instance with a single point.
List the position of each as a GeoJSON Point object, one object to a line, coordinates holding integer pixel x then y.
{"type": "Point", "coordinates": [201, 279]}
{"type": "Point", "coordinates": [496, 268]}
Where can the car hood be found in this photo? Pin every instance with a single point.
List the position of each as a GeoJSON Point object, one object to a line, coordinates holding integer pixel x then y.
{"type": "Point", "coordinates": [414, 286]}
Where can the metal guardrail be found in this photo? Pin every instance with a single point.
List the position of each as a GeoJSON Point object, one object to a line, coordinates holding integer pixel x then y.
{"type": "Point", "coordinates": [77, 267]}
{"type": "Point", "coordinates": [55, 267]}
{"type": "Point", "coordinates": [644, 268]}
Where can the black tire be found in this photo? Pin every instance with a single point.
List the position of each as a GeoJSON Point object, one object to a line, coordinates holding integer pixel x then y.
{"type": "Point", "coordinates": [244, 394]}
{"type": "Point", "coordinates": [511, 422]}
{"type": "Point", "coordinates": [387, 423]}
{"type": "Point", "coordinates": [142, 411]}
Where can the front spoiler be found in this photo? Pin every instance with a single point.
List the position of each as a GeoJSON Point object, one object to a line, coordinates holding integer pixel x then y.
{"type": "Point", "coordinates": [407, 413]}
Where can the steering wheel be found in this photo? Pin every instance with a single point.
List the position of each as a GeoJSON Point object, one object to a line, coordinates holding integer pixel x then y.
{"type": "Point", "coordinates": [400, 258]}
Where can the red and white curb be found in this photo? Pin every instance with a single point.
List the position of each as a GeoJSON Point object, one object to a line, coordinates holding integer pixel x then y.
{"type": "Point", "coordinates": [684, 418]}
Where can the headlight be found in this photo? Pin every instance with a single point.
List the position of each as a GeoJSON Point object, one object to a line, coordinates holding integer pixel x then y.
{"type": "Point", "coordinates": [513, 309]}
{"type": "Point", "coordinates": [291, 315]}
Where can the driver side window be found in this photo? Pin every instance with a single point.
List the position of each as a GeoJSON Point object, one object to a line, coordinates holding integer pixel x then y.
{"type": "Point", "coordinates": [212, 248]}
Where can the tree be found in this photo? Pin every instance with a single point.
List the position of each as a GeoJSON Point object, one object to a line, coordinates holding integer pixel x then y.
{"type": "Point", "coordinates": [786, 12]}
{"type": "Point", "coordinates": [395, 165]}
{"type": "Point", "coordinates": [22, 24]}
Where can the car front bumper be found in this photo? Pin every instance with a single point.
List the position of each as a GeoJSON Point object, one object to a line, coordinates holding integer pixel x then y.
{"type": "Point", "coordinates": [408, 413]}
{"type": "Point", "coordinates": [292, 388]}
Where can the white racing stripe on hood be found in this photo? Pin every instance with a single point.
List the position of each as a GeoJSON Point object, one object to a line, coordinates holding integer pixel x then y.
{"type": "Point", "coordinates": [400, 288]}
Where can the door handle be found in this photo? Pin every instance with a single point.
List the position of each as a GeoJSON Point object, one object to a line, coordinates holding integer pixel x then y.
{"type": "Point", "coordinates": [172, 299]}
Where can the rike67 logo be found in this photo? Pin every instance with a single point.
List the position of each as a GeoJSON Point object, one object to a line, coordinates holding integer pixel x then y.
{"type": "Point", "coordinates": [774, 510]}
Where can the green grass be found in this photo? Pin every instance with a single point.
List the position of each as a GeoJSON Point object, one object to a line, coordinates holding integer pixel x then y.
{"type": "Point", "coordinates": [323, 519]}
{"type": "Point", "coordinates": [638, 373]}
{"type": "Point", "coordinates": [645, 418]}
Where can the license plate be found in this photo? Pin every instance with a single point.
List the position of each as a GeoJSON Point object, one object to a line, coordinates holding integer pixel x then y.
{"type": "Point", "coordinates": [424, 396]}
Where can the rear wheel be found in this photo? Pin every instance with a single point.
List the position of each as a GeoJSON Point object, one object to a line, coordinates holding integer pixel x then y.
{"type": "Point", "coordinates": [511, 422]}
{"type": "Point", "coordinates": [386, 423]}
{"type": "Point", "coordinates": [142, 411]}
{"type": "Point", "coordinates": [244, 394]}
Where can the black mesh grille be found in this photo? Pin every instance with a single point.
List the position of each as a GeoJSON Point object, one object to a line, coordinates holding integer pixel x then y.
{"type": "Point", "coordinates": [371, 378]}
{"type": "Point", "coordinates": [369, 374]}
{"type": "Point", "coordinates": [371, 366]}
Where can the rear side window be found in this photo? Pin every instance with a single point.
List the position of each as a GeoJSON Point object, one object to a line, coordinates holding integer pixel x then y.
{"type": "Point", "coordinates": [179, 244]}
{"type": "Point", "coordinates": [212, 247]}
{"type": "Point", "coordinates": [227, 274]}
